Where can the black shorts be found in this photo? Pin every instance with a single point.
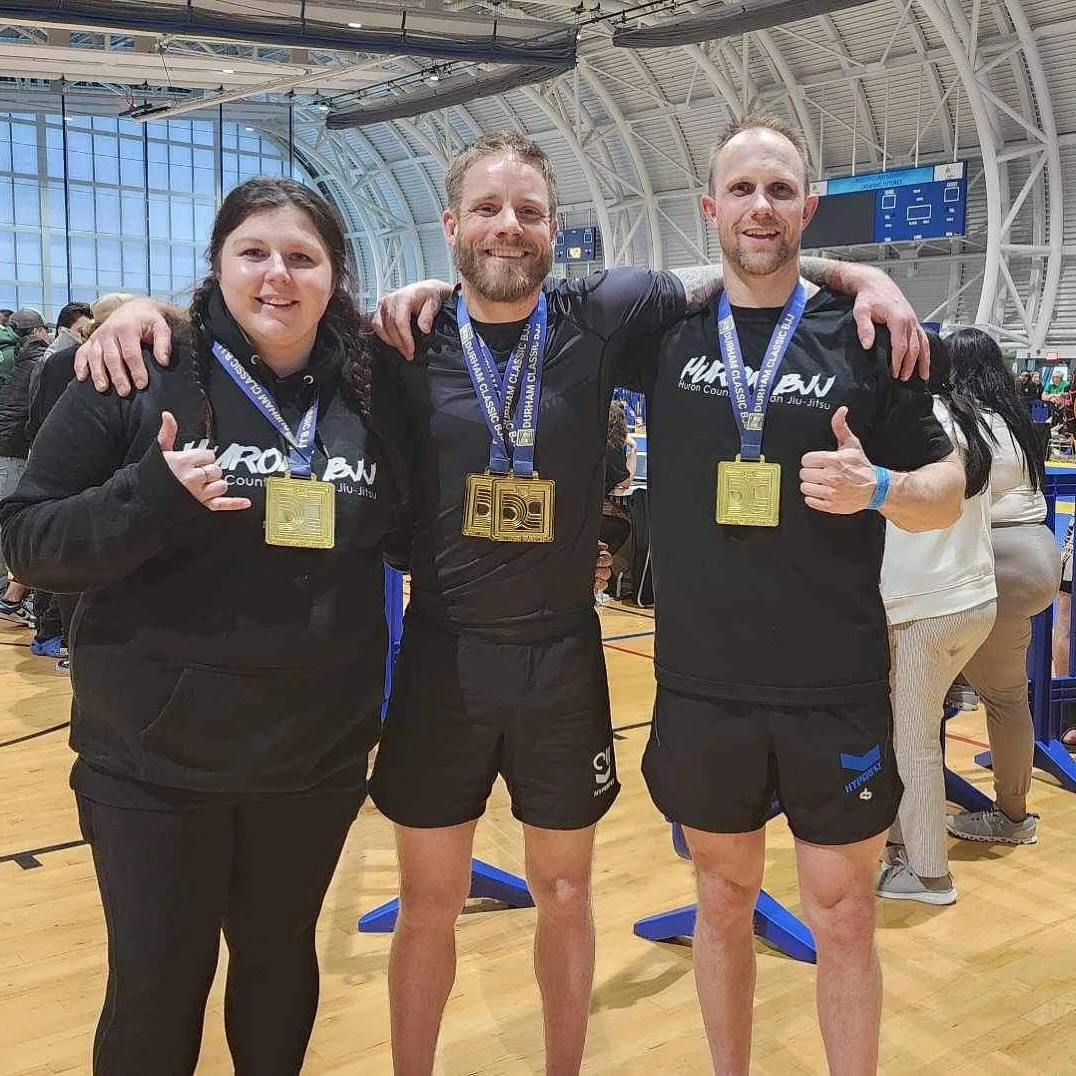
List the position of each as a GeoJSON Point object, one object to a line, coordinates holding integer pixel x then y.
{"type": "Point", "coordinates": [465, 708]}
{"type": "Point", "coordinates": [716, 765]}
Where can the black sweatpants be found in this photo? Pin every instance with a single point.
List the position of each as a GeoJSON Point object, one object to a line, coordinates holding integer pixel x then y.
{"type": "Point", "coordinates": [53, 613]}
{"type": "Point", "coordinates": [170, 881]}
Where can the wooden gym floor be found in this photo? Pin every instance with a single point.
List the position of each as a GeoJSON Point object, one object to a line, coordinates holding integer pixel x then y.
{"type": "Point", "coordinates": [987, 986]}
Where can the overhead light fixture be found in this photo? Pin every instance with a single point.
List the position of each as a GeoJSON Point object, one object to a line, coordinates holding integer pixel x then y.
{"type": "Point", "coordinates": [355, 25]}
{"type": "Point", "coordinates": [248, 128]}
{"type": "Point", "coordinates": [321, 106]}
{"type": "Point", "coordinates": [740, 18]}
{"type": "Point", "coordinates": [433, 78]}
{"type": "Point", "coordinates": [456, 91]}
{"type": "Point", "coordinates": [227, 70]}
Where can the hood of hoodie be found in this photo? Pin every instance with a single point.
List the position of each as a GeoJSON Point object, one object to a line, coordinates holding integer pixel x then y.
{"type": "Point", "coordinates": [326, 361]}
{"type": "Point", "coordinates": [30, 349]}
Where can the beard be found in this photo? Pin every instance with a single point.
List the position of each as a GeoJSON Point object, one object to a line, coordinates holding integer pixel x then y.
{"type": "Point", "coordinates": [758, 263]}
{"type": "Point", "coordinates": [501, 281]}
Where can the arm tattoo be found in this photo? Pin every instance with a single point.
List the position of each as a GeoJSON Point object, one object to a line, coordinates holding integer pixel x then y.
{"type": "Point", "coordinates": [701, 284]}
{"type": "Point", "coordinates": [825, 272]}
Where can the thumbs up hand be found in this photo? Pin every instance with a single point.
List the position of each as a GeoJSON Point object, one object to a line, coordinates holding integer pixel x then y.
{"type": "Point", "coordinates": [841, 482]}
{"type": "Point", "coordinates": [196, 470]}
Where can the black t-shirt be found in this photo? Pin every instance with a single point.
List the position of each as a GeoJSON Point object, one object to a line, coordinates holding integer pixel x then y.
{"type": "Point", "coordinates": [519, 589]}
{"type": "Point", "coordinates": [790, 614]}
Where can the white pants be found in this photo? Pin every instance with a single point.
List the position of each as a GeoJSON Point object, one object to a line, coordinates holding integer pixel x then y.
{"type": "Point", "coordinates": [926, 657]}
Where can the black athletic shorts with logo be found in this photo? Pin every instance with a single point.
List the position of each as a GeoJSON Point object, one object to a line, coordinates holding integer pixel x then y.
{"type": "Point", "coordinates": [467, 706]}
{"type": "Point", "coordinates": [717, 764]}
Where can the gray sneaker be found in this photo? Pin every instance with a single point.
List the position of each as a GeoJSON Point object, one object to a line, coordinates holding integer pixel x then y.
{"type": "Point", "coordinates": [899, 882]}
{"type": "Point", "coordinates": [993, 827]}
{"type": "Point", "coordinates": [16, 613]}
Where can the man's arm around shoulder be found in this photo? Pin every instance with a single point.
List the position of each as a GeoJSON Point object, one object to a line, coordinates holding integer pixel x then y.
{"type": "Point", "coordinates": [927, 499]}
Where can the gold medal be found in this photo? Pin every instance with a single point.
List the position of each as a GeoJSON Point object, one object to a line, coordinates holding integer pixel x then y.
{"type": "Point", "coordinates": [478, 506]}
{"type": "Point", "coordinates": [748, 493]}
{"type": "Point", "coordinates": [300, 512]}
{"type": "Point", "coordinates": [522, 509]}
{"type": "Point", "coordinates": [504, 508]}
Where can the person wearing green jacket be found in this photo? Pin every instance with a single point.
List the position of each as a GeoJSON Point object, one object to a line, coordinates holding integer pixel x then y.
{"type": "Point", "coordinates": [8, 340]}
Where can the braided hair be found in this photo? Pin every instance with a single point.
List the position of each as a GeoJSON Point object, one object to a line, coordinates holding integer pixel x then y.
{"type": "Point", "coordinates": [341, 318]}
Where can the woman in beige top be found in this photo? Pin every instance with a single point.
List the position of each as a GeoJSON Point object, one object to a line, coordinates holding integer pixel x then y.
{"type": "Point", "coordinates": [1027, 569]}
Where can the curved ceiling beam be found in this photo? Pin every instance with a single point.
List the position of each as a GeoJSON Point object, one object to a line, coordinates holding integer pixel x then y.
{"type": "Point", "coordinates": [1055, 209]}
{"type": "Point", "coordinates": [313, 152]}
{"type": "Point", "coordinates": [385, 174]}
{"type": "Point", "coordinates": [657, 246]}
{"type": "Point", "coordinates": [919, 44]}
{"type": "Point", "coordinates": [797, 96]}
{"type": "Point", "coordinates": [1038, 200]}
{"type": "Point", "coordinates": [863, 109]}
{"type": "Point", "coordinates": [601, 210]}
{"type": "Point", "coordinates": [989, 146]}
{"type": "Point", "coordinates": [354, 166]}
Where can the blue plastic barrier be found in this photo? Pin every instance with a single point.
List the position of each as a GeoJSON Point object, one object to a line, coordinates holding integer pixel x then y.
{"type": "Point", "coordinates": [773, 922]}
{"type": "Point", "coordinates": [394, 610]}
{"type": "Point", "coordinates": [486, 880]}
{"type": "Point", "coordinates": [636, 404]}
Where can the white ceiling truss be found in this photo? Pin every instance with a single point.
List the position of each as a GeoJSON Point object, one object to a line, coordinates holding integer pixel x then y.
{"type": "Point", "coordinates": [894, 82]}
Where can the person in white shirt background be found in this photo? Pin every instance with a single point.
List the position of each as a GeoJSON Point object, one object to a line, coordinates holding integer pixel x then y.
{"type": "Point", "coordinates": [939, 593]}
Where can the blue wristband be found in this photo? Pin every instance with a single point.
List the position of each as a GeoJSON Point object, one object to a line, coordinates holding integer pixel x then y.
{"type": "Point", "coordinates": [881, 490]}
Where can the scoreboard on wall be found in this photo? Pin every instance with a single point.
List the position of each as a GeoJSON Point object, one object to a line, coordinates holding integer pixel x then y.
{"type": "Point", "coordinates": [576, 245]}
{"type": "Point", "coordinates": [906, 205]}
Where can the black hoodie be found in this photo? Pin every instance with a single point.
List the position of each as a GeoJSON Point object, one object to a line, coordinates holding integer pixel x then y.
{"type": "Point", "coordinates": [15, 398]}
{"type": "Point", "coordinates": [204, 659]}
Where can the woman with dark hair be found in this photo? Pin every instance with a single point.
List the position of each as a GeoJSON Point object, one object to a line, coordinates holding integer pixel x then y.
{"type": "Point", "coordinates": [224, 528]}
{"type": "Point", "coordinates": [1027, 569]}
{"type": "Point", "coordinates": [939, 594]}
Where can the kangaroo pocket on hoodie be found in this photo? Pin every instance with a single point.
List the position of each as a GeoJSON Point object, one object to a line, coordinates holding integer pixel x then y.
{"type": "Point", "coordinates": [261, 724]}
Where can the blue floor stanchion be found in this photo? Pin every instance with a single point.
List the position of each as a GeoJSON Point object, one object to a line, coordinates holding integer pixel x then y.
{"type": "Point", "coordinates": [1049, 695]}
{"type": "Point", "coordinates": [773, 922]}
{"type": "Point", "coordinates": [486, 881]}
{"type": "Point", "coordinates": [964, 793]}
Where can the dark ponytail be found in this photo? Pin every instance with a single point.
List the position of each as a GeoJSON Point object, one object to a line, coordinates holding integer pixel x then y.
{"type": "Point", "coordinates": [982, 381]}
{"type": "Point", "coordinates": [965, 414]}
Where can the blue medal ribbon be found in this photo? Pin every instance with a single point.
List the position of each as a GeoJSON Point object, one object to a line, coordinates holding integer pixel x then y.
{"type": "Point", "coordinates": [749, 407]}
{"type": "Point", "coordinates": [301, 443]}
{"type": "Point", "coordinates": [510, 407]}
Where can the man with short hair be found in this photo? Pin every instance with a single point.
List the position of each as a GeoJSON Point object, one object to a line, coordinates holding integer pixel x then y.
{"type": "Point", "coordinates": [501, 668]}
{"type": "Point", "coordinates": [53, 375]}
{"type": "Point", "coordinates": [780, 446]}
{"type": "Point", "coordinates": [73, 324]}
